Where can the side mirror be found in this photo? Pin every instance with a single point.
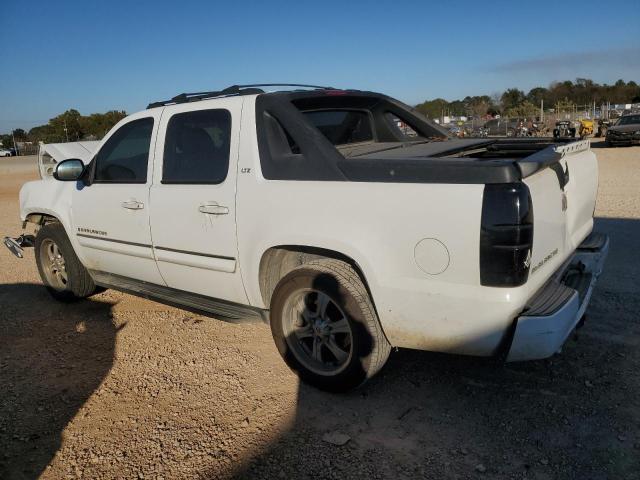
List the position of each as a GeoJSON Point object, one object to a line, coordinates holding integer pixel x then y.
{"type": "Point", "coordinates": [69, 170]}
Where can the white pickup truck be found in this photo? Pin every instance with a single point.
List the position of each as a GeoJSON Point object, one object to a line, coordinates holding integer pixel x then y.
{"type": "Point", "coordinates": [314, 209]}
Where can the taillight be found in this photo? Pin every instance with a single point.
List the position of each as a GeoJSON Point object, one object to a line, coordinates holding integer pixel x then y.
{"type": "Point", "coordinates": [506, 235]}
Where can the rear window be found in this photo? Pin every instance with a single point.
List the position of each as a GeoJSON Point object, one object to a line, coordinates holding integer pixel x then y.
{"type": "Point", "coordinates": [342, 127]}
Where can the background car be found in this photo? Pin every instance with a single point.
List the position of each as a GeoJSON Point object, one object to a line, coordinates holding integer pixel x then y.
{"type": "Point", "coordinates": [5, 153]}
{"type": "Point", "coordinates": [626, 131]}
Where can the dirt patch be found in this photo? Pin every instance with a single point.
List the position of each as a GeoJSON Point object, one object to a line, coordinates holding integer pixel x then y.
{"type": "Point", "coordinates": [120, 387]}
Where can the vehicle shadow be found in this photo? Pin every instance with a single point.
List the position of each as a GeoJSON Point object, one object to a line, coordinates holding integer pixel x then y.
{"type": "Point", "coordinates": [52, 358]}
{"type": "Point", "coordinates": [430, 415]}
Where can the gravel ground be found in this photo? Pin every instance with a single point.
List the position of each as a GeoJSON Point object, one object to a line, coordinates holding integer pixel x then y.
{"type": "Point", "coordinates": [120, 387]}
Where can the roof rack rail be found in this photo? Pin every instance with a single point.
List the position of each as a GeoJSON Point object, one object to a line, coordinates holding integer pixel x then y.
{"type": "Point", "coordinates": [232, 90]}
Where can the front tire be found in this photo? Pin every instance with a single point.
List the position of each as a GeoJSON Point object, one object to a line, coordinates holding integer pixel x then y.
{"type": "Point", "coordinates": [61, 272]}
{"type": "Point", "coordinates": [325, 326]}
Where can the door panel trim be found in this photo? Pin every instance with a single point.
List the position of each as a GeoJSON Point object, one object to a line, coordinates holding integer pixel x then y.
{"type": "Point", "coordinates": [191, 259]}
{"type": "Point", "coordinates": [112, 240]}
{"type": "Point", "coordinates": [116, 246]}
{"type": "Point", "coordinates": [222, 257]}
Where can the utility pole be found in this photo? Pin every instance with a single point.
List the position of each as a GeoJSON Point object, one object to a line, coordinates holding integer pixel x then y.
{"type": "Point", "coordinates": [65, 129]}
{"type": "Point", "coordinates": [541, 110]}
{"type": "Point", "coordinates": [15, 145]}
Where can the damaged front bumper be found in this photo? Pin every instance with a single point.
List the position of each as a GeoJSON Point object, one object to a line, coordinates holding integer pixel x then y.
{"type": "Point", "coordinates": [18, 244]}
{"type": "Point", "coordinates": [623, 139]}
{"type": "Point", "coordinates": [553, 313]}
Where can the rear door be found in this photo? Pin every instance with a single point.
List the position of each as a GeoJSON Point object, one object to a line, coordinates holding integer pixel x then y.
{"type": "Point", "coordinates": [193, 198]}
{"type": "Point", "coordinates": [111, 216]}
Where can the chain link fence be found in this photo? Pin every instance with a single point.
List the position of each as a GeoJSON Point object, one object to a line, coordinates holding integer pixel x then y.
{"type": "Point", "coordinates": [543, 123]}
{"type": "Point", "coordinates": [27, 148]}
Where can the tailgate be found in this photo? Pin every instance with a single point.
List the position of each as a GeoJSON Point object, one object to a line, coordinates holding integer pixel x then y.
{"type": "Point", "coordinates": [563, 182]}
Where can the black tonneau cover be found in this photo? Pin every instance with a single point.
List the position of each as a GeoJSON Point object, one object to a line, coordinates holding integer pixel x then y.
{"type": "Point", "coordinates": [447, 162]}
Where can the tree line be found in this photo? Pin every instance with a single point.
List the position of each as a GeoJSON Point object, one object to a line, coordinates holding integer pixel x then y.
{"type": "Point", "coordinates": [516, 103]}
{"type": "Point", "coordinates": [70, 126]}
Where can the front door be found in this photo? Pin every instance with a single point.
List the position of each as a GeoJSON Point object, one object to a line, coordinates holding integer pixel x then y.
{"type": "Point", "coordinates": [111, 215]}
{"type": "Point", "coordinates": [193, 198]}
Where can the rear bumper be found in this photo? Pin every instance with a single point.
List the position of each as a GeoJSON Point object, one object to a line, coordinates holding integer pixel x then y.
{"type": "Point", "coordinates": [552, 314]}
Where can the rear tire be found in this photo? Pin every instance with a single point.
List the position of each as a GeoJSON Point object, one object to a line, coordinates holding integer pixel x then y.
{"type": "Point", "coordinates": [325, 326]}
{"type": "Point", "coordinates": [61, 271]}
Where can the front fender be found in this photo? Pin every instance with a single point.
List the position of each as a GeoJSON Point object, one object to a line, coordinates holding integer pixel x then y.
{"type": "Point", "coordinates": [46, 197]}
{"type": "Point", "coordinates": [51, 198]}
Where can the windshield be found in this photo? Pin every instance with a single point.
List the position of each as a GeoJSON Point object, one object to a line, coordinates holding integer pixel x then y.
{"type": "Point", "coordinates": [628, 120]}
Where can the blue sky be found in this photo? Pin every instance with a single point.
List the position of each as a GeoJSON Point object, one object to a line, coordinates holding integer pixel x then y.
{"type": "Point", "coordinates": [98, 56]}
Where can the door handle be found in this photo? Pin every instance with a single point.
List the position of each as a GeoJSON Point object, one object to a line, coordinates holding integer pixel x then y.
{"type": "Point", "coordinates": [213, 209]}
{"type": "Point", "coordinates": [133, 205]}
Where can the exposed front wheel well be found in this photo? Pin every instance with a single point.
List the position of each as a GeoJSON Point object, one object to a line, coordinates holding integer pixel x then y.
{"type": "Point", "coordinates": [278, 261]}
{"type": "Point", "coordinates": [41, 219]}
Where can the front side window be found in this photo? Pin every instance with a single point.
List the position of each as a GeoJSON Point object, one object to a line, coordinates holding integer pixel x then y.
{"type": "Point", "coordinates": [197, 147]}
{"type": "Point", "coordinates": [342, 127]}
{"type": "Point", "coordinates": [125, 156]}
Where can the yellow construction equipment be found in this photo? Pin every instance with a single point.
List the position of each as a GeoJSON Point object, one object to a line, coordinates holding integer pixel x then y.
{"type": "Point", "coordinates": [586, 128]}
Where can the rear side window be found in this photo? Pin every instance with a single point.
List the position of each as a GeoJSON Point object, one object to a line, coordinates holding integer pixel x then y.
{"type": "Point", "coordinates": [400, 127]}
{"type": "Point", "coordinates": [125, 156]}
{"type": "Point", "coordinates": [196, 148]}
{"type": "Point", "coordinates": [342, 126]}
{"type": "Point", "coordinates": [281, 143]}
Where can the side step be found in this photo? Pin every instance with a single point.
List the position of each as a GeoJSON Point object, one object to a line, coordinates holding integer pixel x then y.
{"type": "Point", "coordinates": [222, 309]}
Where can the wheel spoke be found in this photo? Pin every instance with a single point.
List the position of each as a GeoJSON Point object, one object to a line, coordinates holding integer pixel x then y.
{"type": "Point", "coordinates": [315, 352]}
{"type": "Point", "coordinates": [341, 326]}
{"type": "Point", "coordinates": [50, 253]}
{"type": "Point", "coordinates": [322, 302]}
{"type": "Point", "coordinates": [307, 315]}
{"type": "Point", "coordinates": [304, 332]}
{"type": "Point", "coordinates": [341, 355]}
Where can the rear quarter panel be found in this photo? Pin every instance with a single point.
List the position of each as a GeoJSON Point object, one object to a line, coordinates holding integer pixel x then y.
{"type": "Point", "coordinates": [378, 225]}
